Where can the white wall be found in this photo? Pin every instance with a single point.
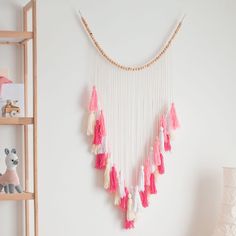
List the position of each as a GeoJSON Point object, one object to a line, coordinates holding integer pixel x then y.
{"type": "Point", "coordinates": [71, 200]}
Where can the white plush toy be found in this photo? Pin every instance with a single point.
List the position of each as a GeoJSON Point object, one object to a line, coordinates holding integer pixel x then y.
{"type": "Point", "coordinates": [10, 180]}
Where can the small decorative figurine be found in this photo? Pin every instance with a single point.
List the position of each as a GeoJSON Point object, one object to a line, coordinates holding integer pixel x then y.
{"type": "Point", "coordinates": [10, 180]}
{"type": "Point", "coordinates": [10, 108]}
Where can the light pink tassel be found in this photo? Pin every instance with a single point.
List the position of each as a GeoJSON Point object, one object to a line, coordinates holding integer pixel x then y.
{"type": "Point", "coordinates": [167, 143]}
{"type": "Point", "coordinates": [147, 171]}
{"type": "Point", "coordinates": [113, 180]}
{"type": "Point", "coordinates": [161, 167]}
{"type": "Point", "coordinates": [93, 105]}
{"type": "Point", "coordinates": [174, 122]}
{"type": "Point", "coordinates": [156, 152]}
{"type": "Point", "coordinates": [102, 124]}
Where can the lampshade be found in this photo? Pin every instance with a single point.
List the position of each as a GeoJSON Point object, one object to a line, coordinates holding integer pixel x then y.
{"type": "Point", "coordinates": [227, 222]}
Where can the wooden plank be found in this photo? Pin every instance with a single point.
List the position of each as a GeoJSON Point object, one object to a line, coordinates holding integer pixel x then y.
{"type": "Point", "coordinates": [16, 35]}
{"type": "Point", "coordinates": [26, 133]}
{"type": "Point", "coordinates": [28, 6]}
{"type": "Point", "coordinates": [16, 121]}
{"type": "Point", "coordinates": [16, 196]}
{"type": "Point", "coordinates": [35, 115]}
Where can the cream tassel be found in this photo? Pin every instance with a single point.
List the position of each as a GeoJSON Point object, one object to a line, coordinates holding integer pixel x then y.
{"type": "Point", "coordinates": [141, 179]}
{"type": "Point", "coordinates": [107, 174]}
{"type": "Point", "coordinates": [137, 200]}
{"type": "Point", "coordinates": [91, 123]}
{"type": "Point", "coordinates": [117, 199]}
{"type": "Point", "coordinates": [130, 213]}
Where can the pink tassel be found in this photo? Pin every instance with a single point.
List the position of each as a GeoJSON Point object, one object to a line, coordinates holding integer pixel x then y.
{"type": "Point", "coordinates": [93, 105]}
{"type": "Point", "coordinates": [129, 224]}
{"type": "Point", "coordinates": [101, 160]}
{"type": "Point", "coordinates": [147, 171]}
{"type": "Point", "coordinates": [167, 144]}
{"type": "Point", "coordinates": [102, 124]}
{"type": "Point", "coordinates": [163, 124]}
{"type": "Point", "coordinates": [144, 197]}
{"type": "Point", "coordinates": [161, 167]}
{"type": "Point", "coordinates": [124, 200]}
{"type": "Point", "coordinates": [174, 122]}
{"type": "Point", "coordinates": [113, 180]}
{"type": "Point", "coordinates": [153, 189]}
{"type": "Point", "coordinates": [97, 139]}
{"type": "Point", "coordinates": [156, 152]}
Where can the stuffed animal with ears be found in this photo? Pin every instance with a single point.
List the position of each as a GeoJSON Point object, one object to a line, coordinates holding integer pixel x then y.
{"type": "Point", "coordinates": [10, 180]}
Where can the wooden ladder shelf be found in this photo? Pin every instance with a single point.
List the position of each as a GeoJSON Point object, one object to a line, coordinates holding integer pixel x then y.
{"type": "Point", "coordinates": [22, 38]}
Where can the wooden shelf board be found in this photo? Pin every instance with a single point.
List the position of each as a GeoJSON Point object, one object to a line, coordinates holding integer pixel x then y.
{"type": "Point", "coordinates": [16, 196]}
{"type": "Point", "coordinates": [14, 36]}
{"type": "Point", "coordinates": [16, 121]}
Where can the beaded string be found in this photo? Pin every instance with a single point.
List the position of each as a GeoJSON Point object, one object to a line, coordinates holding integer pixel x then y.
{"type": "Point", "coordinates": [130, 68]}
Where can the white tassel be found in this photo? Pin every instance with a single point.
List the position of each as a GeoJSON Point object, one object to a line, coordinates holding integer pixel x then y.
{"type": "Point", "coordinates": [130, 213]}
{"type": "Point", "coordinates": [137, 200]}
{"type": "Point", "coordinates": [162, 140]}
{"type": "Point", "coordinates": [91, 123]}
{"type": "Point", "coordinates": [107, 174]}
{"type": "Point", "coordinates": [141, 179]}
{"type": "Point", "coordinates": [121, 183]}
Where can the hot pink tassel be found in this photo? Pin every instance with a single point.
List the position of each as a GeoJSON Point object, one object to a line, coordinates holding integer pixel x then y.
{"type": "Point", "coordinates": [124, 200]}
{"type": "Point", "coordinates": [101, 160]}
{"type": "Point", "coordinates": [167, 144]}
{"type": "Point", "coordinates": [129, 224]}
{"type": "Point", "coordinates": [93, 105]}
{"type": "Point", "coordinates": [144, 197]}
{"type": "Point", "coordinates": [102, 124]}
{"type": "Point", "coordinates": [97, 139]}
{"type": "Point", "coordinates": [147, 171]}
{"type": "Point", "coordinates": [153, 189]}
{"type": "Point", "coordinates": [161, 167]}
{"type": "Point", "coordinates": [113, 180]}
{"type": "Point", "coordinates": [174, 122]}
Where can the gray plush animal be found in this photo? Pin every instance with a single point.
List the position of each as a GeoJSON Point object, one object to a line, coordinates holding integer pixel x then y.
{"type": "Point", "coordinates": [10, 180]}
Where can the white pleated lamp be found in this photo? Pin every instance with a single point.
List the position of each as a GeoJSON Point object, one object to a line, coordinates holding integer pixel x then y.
{"type": "Point", "coordinates": [227, 222]}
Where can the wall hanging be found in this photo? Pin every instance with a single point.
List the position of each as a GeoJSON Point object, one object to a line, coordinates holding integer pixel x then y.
{"type": "Point", "coordinates": [131, 119]}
